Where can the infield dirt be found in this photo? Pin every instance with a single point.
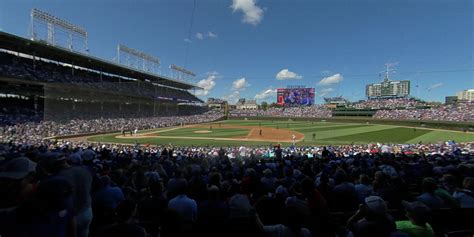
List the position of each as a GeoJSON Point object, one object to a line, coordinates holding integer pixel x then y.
{"type": "Point", "coordinates": [256, 133]}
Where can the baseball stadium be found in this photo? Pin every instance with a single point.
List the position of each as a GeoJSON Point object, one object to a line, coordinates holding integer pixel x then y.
{"type": "Point", "coordinates": [270, 118]}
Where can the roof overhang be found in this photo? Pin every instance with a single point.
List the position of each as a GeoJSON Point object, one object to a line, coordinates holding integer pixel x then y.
{"type": "Point", "coordinates": [44, 50]}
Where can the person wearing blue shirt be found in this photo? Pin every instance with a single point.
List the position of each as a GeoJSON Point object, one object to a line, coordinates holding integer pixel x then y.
{"type": "Point", "coordinates": [184, 205]}
{"type": "Point", "coordinates": [108, 197]}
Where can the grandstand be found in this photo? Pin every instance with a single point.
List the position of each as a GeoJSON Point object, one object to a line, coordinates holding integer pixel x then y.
{"type": "Point", "coordinates": [94, 148]}
{"type": "Point", "coordinates": [55, 83]}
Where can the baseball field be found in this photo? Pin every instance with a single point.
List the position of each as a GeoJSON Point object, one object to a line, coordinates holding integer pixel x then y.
{"type": "Point", "coordinates": [266, 132]}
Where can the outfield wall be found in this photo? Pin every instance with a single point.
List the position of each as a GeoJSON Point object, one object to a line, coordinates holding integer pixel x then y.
{"type": "Point", "coordinates": [451, 125]}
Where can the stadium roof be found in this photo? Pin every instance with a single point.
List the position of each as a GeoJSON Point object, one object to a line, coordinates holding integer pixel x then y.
{"type": "Point", "coordinates": [43, 50]}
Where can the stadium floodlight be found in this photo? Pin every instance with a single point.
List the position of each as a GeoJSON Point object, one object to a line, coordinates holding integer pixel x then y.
{"type": "Point", "coordinates": [181, 73]}
{"type": "Point", "coordinates": [135, 57]}
{"type": "Point", "coordinates": [183, 70]}
{"type": "Point", "coordinates": [55, 26]}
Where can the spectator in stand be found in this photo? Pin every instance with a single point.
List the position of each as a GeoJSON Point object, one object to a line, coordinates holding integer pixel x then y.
{"type": "Point", "coordinates": [363, 189]}
{"type": "Point", "coordinates": [372, 219]}
{"type": "Point", "coordinates": [151, 207]}
{"type": "Point", "coordinates": [462, 111]}
{"type": "Point", "coordinates": [124, 225]}
{"type": "Point", "coordinates": [139, 171]}
{"type": "Point", "coordinates": [107, 197]}
{"type": "Point", "coordinates": [184, 205]}
{"type": "Point", "coordinates": [17, 184]}
{"type": "Point", "coordinates": [212, 214]}
{"type": "Point", "coordinates": [268, 182]}
{"type": "Point", "coordinates": [81, 181]}
{"type": "Point", "coordinates": [465, 196]}
{"type": "Point", "coordinates": [344, 196]}
{"type": "Point", "coordinates": [291, 219]}
{"type": "Point", "coordinates": [428, 197]}
{"type": "Point", "coordinates": [445, 190]}
{"type": "Point", "coordinates": [417, 224]}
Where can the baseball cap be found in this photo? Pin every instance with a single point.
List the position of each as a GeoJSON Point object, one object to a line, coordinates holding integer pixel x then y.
{"type": "Point", "coordinates": [376, 204]}
{"type": "Point", "coordinates": [417, 208]}
{"type": "Point", "coordinates": [74, 159]}
{"type": "Point", "coordinates": [17, 168]}
{"type": "Point", "coordinates": [281, 190]}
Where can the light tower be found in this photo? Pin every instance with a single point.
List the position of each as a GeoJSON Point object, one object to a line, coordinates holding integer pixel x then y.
{"type": "Point", "coordinates": [56, 28]}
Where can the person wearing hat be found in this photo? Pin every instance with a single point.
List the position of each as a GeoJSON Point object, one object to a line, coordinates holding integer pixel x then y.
{"type": "Point", "coordinates": [17, 181]}
{"type": "Point", "coordinates": [16, 186]}
{"type": "Point", "coordinates": [371, 219]}
{"type": "Point", "coordinates": [51, 211]}
{"type": "Point", "coordinates": [81, 180]}
{"type": "Point", "coordinates": [417, 223]}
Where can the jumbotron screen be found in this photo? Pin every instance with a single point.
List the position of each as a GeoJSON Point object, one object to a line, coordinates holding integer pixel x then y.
{"type": "Point", "coordinates": [295, 96]}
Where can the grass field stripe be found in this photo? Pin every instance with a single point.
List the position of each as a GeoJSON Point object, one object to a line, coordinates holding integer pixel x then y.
{"type": "Point", "coordinates": [437, 136]}
{"type": "Point", "coordinates": [392, 135]}
{"type": "Point", "coordinates": [349, 131]}
{"type": "Point", "coordinates": [327, 128]}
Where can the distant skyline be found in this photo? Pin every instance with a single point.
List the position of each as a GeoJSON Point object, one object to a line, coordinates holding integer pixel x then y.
{"type": "Point", "coordinates": [249, 48]}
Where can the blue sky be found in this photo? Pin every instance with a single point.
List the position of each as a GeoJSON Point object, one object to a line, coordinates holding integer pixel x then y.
{"type": "Point", "coordinates": [275, 43]}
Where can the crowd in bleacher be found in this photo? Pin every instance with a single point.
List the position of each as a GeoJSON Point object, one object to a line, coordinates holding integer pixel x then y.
{"type": "Point", "coordinates": [297, 112]}
{"type": "Point", "coordinates": [388, 103]}
{"type": "Point", "coordinates": [67, 188]}
{"type": "Point", "coordinates": [67, 76]}
{"type": "Point", "coordinates": [463, 111]}
{"type": "Point", "coordinates": [33, 132]}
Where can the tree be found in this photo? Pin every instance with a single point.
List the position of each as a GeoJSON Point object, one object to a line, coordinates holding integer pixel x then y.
{"type": "Point", "coordinates": [264, 105]}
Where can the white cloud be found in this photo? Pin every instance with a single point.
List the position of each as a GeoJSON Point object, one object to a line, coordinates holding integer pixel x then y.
{"type": "Point", "coordinates": [253, 14]}
{"type": "Point", "coordinates": [187, 40]}
{"type": "Point", "coordinates": [265, 94]}
{"type": "Point", "coordinates": [325, 91]}
{"type": "Point", "coordinates": [212, 35]}
{"type": "Point", "coordinates": [200, 36]}
{"type": "Point", "coordinates": [286, 74]}
{"type": "Point", "coordinates": [334, 79]}
{"type": "Point", "coordinates": [207, 84]}
{"type": "Point", "coordinates": [208, 35]}
{"type": "Point", "coordinates": [434, 86]}
{"type": "Point", "coordinates": [240, 84]}
{"type": "Point", "coordinates": [232, 97]}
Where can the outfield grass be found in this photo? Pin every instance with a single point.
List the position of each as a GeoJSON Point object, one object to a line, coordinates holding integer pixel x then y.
{"type": "Point", "coordinates": [336, 133]}
{"type": "Point", "coordinates": [216, 132]}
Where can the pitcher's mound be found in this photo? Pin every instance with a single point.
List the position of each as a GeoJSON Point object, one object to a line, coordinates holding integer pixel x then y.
{"type": "Point", "coordinates": [202, 131]}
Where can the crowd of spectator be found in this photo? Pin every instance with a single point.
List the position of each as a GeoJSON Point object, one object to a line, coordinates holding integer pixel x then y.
{"type": "Point", "coordinates": [65, 76]}
{"type": "Point", "coordinates": [79, 189]}
{"type": "Point", "coordinates": [462, 111]}
{"type": "Point", "coordinates": [33, 132]}
{"type": "Point", "coordinates": [388, 103]}
{"type": "Point", "coordinates": [297, 112]}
